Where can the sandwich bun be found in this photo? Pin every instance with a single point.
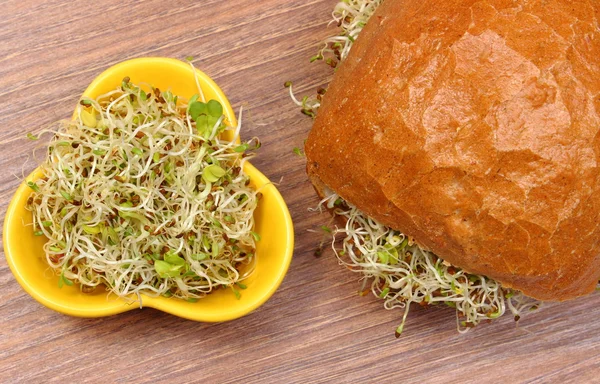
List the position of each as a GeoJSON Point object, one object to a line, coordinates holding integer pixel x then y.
{"type": "Point", "coordinates": [473, 127]}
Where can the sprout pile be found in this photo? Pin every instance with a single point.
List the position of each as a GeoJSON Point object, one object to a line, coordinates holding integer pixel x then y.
{"type": "Point", "coordinates": [396, 269]}
{"type": "Point", "coordinates": [393, 267]}
{"type": "Point", "coordinates": [140, 193]}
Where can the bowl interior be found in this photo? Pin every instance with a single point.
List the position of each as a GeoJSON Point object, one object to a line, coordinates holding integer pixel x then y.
{"type": "Point", "coordinates": [26, 258]}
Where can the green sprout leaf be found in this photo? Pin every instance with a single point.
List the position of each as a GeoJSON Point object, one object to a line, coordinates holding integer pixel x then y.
{"type": "Point", "coordinates": [196, 109]}
{"type": "Point", "coordinates": [403, 244]}
{"type": "Point", "coordinates": [495, 315]}
{"type": "Point", "coordinates": [62, 280]}
{"type": "Point", "coordinates": [393, 253]}
{"type": "Point", "coordinates": [112, 236]}
{"type": "Point", "coordinates": [384, 293]}
{"type": "Point", "coordinates": [189, 274]}
{"type": "Point", "coordinates": [66, 195]}
{"type": "Point", "coordinates": [92, 230]}
{"type": "Point", "coordinates": [174, 259]}
{"type": "Point", "coordinates": [384, 257]}
{"type": "Point", "coordinates": [241, 148]}
{"type": "Point", "coordinates": [215, 250]}
{"type": "Point", "coordinates": [205, 242]}
{"type": "Point", "coordinates": [298, 151]}
{"type": "Point", "coordinates": [202, 125]}
{"type": "Point", "coordinates": [236, 293]}
{"type": "Point", "coordinates": [33, 186]}
{"type": "Point", "coordinates": [215, 109]}
{"type": "Point", "coordinates": [199, 256]}
{"type": "Point", "coordinates": [211, 122]}
{"type": "Point", "coordinates": [165, 269]}
{"type": "Point", "coordinates": [212, 173]}
{"type": "Point", "coordinates": [32, 137]}
{"type": "Point", "coordinates": [132, 215]}
{"type": "Point", "coordinates": [255, 235]}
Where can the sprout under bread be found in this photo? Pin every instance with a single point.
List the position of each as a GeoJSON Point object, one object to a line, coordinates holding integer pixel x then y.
{"type": "Point", "coordinates": [141, 194]}
{"type": "Point", "coordinates": [396, 269]}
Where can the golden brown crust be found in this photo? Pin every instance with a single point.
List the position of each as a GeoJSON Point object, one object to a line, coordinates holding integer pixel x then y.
{"type": "Point", "coordinates": [473, 127]}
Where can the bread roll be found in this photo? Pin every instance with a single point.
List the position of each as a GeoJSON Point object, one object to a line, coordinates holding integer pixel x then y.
{"type": "Point", "coordinates": [473, 126]}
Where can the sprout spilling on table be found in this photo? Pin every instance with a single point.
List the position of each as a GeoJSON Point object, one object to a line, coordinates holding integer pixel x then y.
{"type": "Point", "coordinates": [141, 193]}
{"type": "Point", "coordinates": [393, 267]}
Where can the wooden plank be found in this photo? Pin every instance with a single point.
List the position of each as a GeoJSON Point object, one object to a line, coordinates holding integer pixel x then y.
{"type": "Point", "coordinates": [315, 328]}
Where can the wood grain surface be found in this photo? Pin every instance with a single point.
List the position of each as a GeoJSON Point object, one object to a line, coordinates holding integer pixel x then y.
{"type": "Point", "coordinates": [315, 328]}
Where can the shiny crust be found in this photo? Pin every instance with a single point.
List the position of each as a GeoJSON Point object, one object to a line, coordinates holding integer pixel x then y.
{"type": "Point", "coordinates": [473, 127]}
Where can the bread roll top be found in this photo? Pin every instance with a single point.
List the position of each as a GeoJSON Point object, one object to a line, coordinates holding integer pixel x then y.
{"type": "Point", "coordinates": [473, 127]}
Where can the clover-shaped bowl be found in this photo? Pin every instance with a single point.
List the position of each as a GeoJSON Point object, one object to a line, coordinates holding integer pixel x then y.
{"type": "Point", "coordinates": [273, 223]}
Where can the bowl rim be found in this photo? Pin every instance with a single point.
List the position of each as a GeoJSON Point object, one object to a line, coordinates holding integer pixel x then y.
{"type": "Point", "coordinates": [119, 305]}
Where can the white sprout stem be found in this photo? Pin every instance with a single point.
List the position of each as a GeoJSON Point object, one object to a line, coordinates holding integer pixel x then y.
{"type": "Point", "coordinates": [202, 98]}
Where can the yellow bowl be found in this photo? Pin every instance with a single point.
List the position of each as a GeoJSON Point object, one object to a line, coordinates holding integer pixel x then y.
{"type": "Point", "coordinates": [25, 254]}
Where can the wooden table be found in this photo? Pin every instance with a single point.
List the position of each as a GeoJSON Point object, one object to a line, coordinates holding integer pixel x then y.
{"type": "Point", "coordinates": [316, 327]}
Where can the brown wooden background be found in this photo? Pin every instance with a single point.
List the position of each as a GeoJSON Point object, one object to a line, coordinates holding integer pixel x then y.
{"type": "Point", "coordinates": [316, 327]}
